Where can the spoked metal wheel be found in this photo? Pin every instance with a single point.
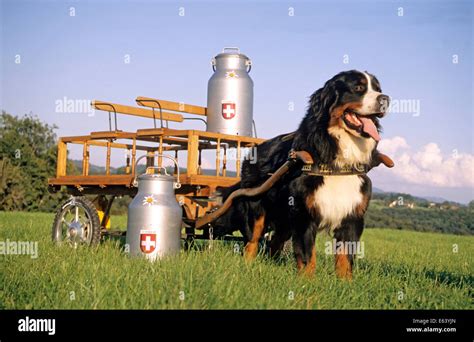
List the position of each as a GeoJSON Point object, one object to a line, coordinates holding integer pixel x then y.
{"type": "Point", "coordinates": [76, 223]}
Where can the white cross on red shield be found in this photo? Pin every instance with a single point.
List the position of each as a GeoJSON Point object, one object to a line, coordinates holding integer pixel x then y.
{"type": "Point", "coordinates": [228, 110]}
{"type": "Point", "coordinates": [147, 242]}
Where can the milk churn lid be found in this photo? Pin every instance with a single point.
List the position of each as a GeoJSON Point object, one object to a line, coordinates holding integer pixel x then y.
{"type": "Point", "coordinates": [231, 52]}
{"type": "Point", "coordinates": [156, 176]}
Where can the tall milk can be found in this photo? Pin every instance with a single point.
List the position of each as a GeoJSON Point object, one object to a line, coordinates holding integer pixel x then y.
{"type": "Point", "coordinates": [230, 94]}
{"type": "Point", "coordinates": [154, 216]}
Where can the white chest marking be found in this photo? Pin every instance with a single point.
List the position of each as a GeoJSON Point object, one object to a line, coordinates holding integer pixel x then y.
{"type": "Point", "coordinates": [352, 150]}
{"type": "Point", "coordinates": [337, 198]}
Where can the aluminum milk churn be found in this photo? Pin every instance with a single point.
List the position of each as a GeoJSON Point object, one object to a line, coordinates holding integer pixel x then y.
{"type": "Point", "coordinates": [230, 94]}
{"type": "Point", "coordinates": [154, 216]}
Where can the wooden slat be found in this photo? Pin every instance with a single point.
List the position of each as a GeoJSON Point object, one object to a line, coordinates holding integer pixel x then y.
{"type": "Point", "coordinates": [228, 137]}
{"type": "Point", "coordinates": [218, 157]}
{"type": "Point", "coordinates": [193, 145]}
{"type": "Point", "coordinates": [185, 132]}
{"type": "Point", "coordinates": [238, 159]}
{"type": "Point", "coordinates": [170, 135]}
{"type": "Point", "coordinates": [85, 159]}
{"type": "Point", "coordinates": [152, 134]}
{"type": "Point", "coordinates": [104, 135]}
{"type": "Point", "coordinates": [61, 159]}
{"type": "Point", "coordinates": [246, 141]}
{"type": "Point", "coordinates": [101, 135]}
{"type": "Point", "coordinates": [162, 131]}
{"type": "Point", "coordinates": [107, 161]}
{"type": "Point", "coordinates": [129, 110]}
{"type": "Point", "coordinates": [170, 105]}
{"type": "Point", "coordinates": [134, 156]}
{"type": "Point", "coordinates": [160, 152]}
{"type": "Point", "coordinates": [126, 180]}
{"type": "Point", "coordinates": [113, 145]}
{"type": "Point", "coordinates": [208, 180]}
{"type": "Point", "coordinates": [224, 163]}
{"type": "Point", "coordinates": [100, 180]}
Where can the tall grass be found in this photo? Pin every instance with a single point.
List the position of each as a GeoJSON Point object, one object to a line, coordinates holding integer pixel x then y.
{"type": "Point", "coordinates": [400, 269]}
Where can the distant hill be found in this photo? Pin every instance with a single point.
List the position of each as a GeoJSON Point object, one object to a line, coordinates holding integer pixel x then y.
{"type": "Point", "coordinates": [405, 211]}
{"type": "Point", "coordinates": [433, 199]}
{"type": "Point", "coordinates": [93, 169]}
{"type": "Point", "coordinates": [442, 218]}
{"type": "Point", "coordinates": [436, 199]}
{"type": "Point", "coordinates": [419, 201]}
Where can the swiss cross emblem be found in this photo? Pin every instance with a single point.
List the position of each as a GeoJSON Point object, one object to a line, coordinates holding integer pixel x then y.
{"type": "Point", "coordinates": [147, 241]}
{"type": "Point", "coordinates": [228, 110]}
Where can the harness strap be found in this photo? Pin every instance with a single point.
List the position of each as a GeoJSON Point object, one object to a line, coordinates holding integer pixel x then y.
{"type": "Point", "coordinates": [327, 170]}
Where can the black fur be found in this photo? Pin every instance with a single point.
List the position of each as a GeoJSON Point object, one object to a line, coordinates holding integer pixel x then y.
{"type": "Point", "coordinates": [285, 205]}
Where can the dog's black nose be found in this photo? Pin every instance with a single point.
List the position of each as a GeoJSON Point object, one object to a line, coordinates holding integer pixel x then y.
{"type": "Point", "coordinates": [383, 101]}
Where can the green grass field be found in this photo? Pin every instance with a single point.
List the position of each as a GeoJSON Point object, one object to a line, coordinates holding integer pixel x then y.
{"type": "Point", "coordinates": [400, 270]}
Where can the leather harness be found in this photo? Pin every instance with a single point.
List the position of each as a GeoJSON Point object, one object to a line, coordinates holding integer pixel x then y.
{"type": "Point", "coordinates": [320, 169]}
{"type": "Point", "coordinates": [329, 170]}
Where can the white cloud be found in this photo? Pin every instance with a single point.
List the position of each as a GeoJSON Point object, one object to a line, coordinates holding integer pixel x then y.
{"type": "Point", "coordinates": [428, 165]}
{"type": "Point", "coordinates": [391, 146]}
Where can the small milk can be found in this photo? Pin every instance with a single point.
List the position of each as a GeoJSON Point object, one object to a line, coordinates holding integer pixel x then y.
{"type": "Point", "coordinates": [154, 216]}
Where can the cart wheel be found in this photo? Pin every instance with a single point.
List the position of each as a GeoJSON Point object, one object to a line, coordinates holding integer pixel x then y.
{"type": "Point", "coordinates": [77, 222]}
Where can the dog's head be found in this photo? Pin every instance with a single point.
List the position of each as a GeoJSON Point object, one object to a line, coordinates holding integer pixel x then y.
{"type": "Point", "coordinates": [352, 101]}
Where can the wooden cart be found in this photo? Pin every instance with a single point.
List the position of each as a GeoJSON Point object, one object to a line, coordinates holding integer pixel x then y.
{"type": "Point", "coordinates": [92, 217]}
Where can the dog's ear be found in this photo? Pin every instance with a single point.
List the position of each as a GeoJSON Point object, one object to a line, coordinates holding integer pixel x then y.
{"type": "Point", "coordinates": [313, 136]}
{"type": "Point", "coordinates": [323, 101]}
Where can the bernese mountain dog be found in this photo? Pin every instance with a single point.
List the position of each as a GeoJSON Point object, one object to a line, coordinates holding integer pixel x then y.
{"type": "Point", "coordinates": [340, 131]}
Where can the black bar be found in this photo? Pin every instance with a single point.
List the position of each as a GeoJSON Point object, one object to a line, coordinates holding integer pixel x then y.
{"type": "Point", "coordinates": [248, 325]}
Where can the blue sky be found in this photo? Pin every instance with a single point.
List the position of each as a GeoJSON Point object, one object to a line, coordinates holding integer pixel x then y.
{"type": "Point", "coordinates": [82, 57]}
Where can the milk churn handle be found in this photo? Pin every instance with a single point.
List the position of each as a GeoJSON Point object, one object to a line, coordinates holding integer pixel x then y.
{"type": "Point", "coordinates": [213, 63]}
{"type": "Point", "coordinates": [231, 48]}
{"type": "Point", "coordinates": [177, 184]}
{"type": "Point", "coordinates": [157, 168]}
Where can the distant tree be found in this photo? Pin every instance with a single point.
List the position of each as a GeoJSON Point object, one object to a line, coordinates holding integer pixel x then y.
{"type": "Point", "coordinates": [27, 159]}
{"type": "Point", "coordinates": [471, 204]}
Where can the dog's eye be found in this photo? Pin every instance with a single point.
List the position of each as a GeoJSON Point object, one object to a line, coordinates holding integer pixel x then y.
{"type": "Point", "coordinates": [359, 88]}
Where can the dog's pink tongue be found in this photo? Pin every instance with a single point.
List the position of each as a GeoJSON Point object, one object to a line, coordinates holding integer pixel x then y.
{"type": "Point", "coordinates": [369, 128]}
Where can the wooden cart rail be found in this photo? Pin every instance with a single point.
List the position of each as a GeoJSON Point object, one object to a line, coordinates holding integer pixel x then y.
{"type": "Point", "coordinates": [170, 105]}
{"type": "Point", "coordinates": [164, 113]}
{"type": "Point", "coordinates": [161, 140]}
{"type": "Point", "coordinates": [192, 141]}
{"type": "Point", "coordinates": [158, 139]}
{"type": "Point", "coordinates": [129, 110]}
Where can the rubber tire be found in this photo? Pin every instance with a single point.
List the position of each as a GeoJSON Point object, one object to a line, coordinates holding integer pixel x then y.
{"type": "Point", "coordinates": [91, 210]}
